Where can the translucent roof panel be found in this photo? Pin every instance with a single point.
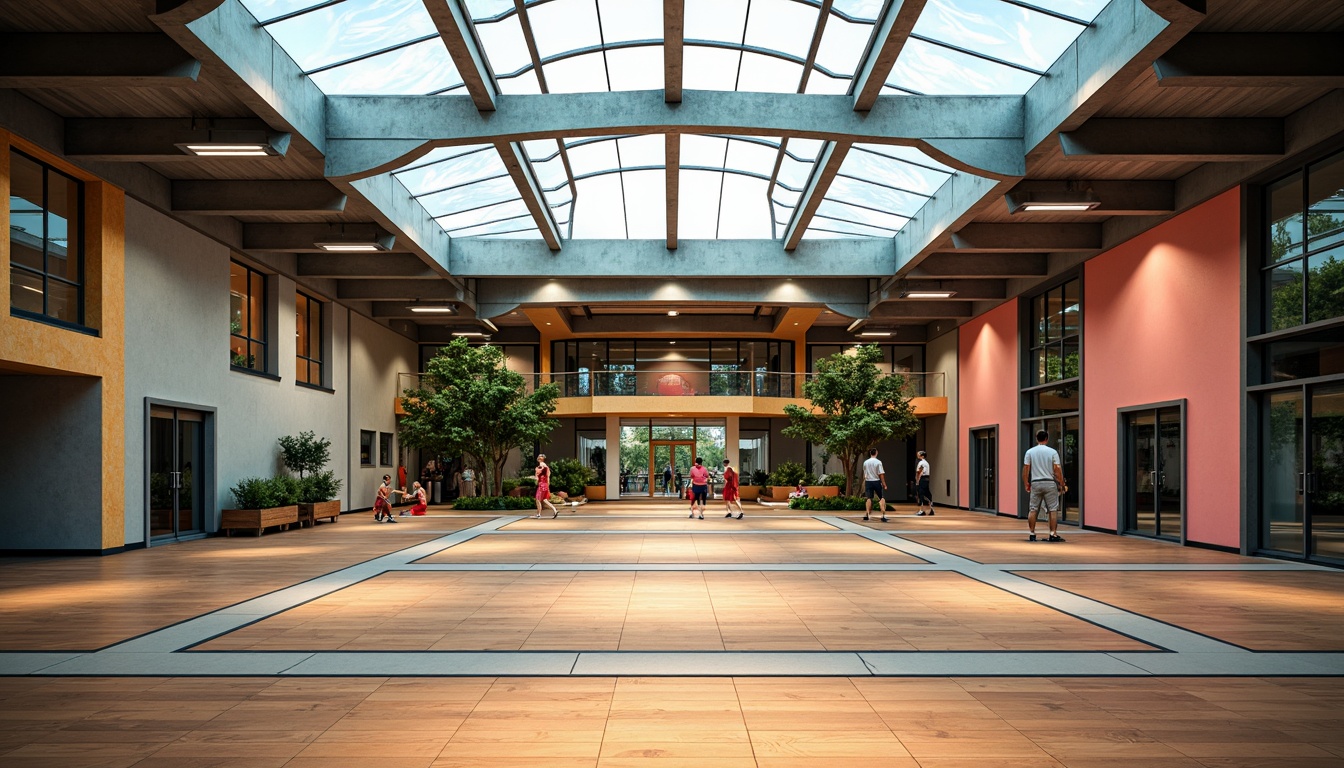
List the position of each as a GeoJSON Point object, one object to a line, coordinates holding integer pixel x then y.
{"type": "Point", "coordinates": [621, 188]}
{"type": "Point", "coordinates": [876, 191]}
{"type": "Point", "coordinates": [469, 192]}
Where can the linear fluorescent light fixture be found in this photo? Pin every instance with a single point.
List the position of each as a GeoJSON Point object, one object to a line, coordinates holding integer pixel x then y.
{"type": "Point", "coordinates": [1057, 201]}
{"type": "Point", "coordinates": [432, 310]}
{"type": "Point", "coordinates": [373, 242]}
{"type": "Point", "coordinates": [471, 334]}
{"type": "Point", "coordinates": [876, 333]}
{"type": "Point", "coordinates": [486, 322]}
{"type": "Point", "coordinates": [918, 294]}
{"type": "Point", "coordinates": [854, 325]}
{"type": "Point", "coordinates": [236, 143]}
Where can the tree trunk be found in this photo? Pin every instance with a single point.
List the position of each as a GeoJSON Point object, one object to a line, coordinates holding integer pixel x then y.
{"type": "Point", "coordinates": [849, 461]}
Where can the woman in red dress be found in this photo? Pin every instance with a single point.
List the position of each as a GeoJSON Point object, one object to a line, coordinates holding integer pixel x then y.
{"type": "Point", "coordinates": [543, 474]}
{"type": "Point", "coordinates": [730, 493]}
{"type": "Point", "coordinates": [421, 502]}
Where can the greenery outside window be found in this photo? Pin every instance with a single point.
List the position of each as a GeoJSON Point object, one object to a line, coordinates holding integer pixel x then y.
{"type": "Point", "coordinates": [247, 318]}
{"type": "Point", "coordinates": [1304, 273]}
{"type": "Point", "coordinates": [1055, 337]}
{"type": "Point", "coordinates": [308, 339]}
{"type": "Point", "coordinates": [46, 238]}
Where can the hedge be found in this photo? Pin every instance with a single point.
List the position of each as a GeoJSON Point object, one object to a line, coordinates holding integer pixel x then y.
{"type": "Point", "coordinates": [492, 503]}
{"type": "Point", "coordinates": [828, 503]}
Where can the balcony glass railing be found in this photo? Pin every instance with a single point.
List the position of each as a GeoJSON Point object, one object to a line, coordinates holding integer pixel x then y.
{"type": "Point", "coordinates": [693, 383]}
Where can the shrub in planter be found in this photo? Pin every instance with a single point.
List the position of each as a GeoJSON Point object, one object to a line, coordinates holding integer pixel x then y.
{"type": "Point", "coordinates": [255, 493]}
{"type": "Point", "coordinates": [791, 473]}
{"type": "Point", "coordinates": [836, 479]}
{"type": "Point", "coordinates": [510, 484]}
{"type": "Point", "coordinates": [262, 503]}
{"type": "Point", "coordinates": [494, 503]}
{"type": "Point", "coordinates": [306, 453]}
{"type": "Point", "coordinates": [528, 485]}
{"type": "Point", "coordinates": [828, 503]}
{"type": "Point", "coordinates": [570, 476]}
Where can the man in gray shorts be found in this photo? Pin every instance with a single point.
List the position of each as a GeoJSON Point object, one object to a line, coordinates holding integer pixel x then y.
{"type": "Point", "coordinates": [1043, 478]}
{"type": "Point", "coordinates": [874, 484]}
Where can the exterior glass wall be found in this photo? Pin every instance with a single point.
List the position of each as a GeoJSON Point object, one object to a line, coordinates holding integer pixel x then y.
{"type": "Point", "coordinates": [721, 367]}
{"type": "Point", "coordinates": [1052, 385]}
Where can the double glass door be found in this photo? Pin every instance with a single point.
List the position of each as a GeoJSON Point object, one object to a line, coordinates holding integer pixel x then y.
{"type": "Point", "coordinates": [984, 459]}
{"type": "Point", "coordinates": [1066, 438]}
{"type": "Point", "coordinates": [670, 466]}
{"type": "Point", "coordinates": [176, 479]}
{"type": "Point", "coordinates": [1151, 480]}
{"type": "Point", "coordinates": [1302, 509]}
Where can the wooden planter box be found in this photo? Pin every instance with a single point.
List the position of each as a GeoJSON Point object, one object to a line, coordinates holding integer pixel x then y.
{"type": "Point", "coordinates": [780, 492]}
{"type": "Point", "coordinates": [309, 514]}
{"type": "Point", "coordinates": [822, 490]}
{"type": "Point", "coordinates": [258, 519]}
{"type": "Point", "coordinates": [748, 492]}
{"type": "Point", "coordinates": [595, 492]}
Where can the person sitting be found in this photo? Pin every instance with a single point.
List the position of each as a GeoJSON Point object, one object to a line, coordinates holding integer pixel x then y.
{"type": "Point", "coordinates": [799, 492]}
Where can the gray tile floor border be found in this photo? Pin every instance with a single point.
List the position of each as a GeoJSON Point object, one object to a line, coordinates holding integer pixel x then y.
{"type": "Point", "coordinates": [1188, 653]}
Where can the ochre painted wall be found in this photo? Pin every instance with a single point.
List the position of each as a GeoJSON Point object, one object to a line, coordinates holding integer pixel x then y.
{"type": "Point", "coordinates": [47, 349]}
{"type": "Point", "coordinates": [1161, 321]}
{"type": "Point", "coordinates": [987, 364]}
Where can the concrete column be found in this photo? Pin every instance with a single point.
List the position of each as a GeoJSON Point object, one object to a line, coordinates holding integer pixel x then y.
{"type": "Point", "coordinates": [731, 441]}
{"type": "Point", "coordinates": [613, 457]}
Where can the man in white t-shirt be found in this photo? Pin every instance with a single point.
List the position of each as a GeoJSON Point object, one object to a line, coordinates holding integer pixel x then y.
{"type": "Point", "coordinates": [1043, 478]}
{"type": "Point", "coordinates": [874, 484]}
{"type": "Point", "coordinates": [922, 491]}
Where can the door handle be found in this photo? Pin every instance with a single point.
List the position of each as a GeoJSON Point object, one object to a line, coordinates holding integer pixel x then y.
{"type": "Point", "coordinates": [1311, 482]}
{"type": "Point", "coordinates": [1301, 483]}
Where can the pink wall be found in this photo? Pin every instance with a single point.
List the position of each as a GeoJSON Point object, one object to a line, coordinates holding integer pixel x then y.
{"type": "Point", "coordinates": [1161, 321]}
{"type": "Point", "coordinates": [987, 364]}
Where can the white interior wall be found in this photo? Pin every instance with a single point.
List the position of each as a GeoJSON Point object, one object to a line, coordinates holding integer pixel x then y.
{"type": "Point", "coordinates": [940, 432]}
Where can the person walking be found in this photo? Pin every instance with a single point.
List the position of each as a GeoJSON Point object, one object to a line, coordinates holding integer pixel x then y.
{"type": "Point", "coordinates": [1043, 478]}
{"type": "Point", "coordinates": [922, 491]}
{"type": "Point", "coordinates": [730, 493]}
{"type": "Point", "coordinates": [699, 488]}
{"type": "Point", "coordinates": [667, 479]}
{"type": "Point", "coordinates": [543, 475]}
{"type": "Point", "coordinates": [382, 508]}
{"type": "Point", "coordinates": [874, 484]}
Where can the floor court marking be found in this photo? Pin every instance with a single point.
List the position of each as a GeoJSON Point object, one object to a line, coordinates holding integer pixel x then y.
{"type": "Point", "coordinates": [1185, 653]}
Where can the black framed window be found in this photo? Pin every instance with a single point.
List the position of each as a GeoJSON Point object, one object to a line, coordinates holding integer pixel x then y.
{"type": "Point", "coordinates": [366, 447]}
{"type": "Point", "coordinates": [385, 449]}
{"type": "Point", "coordinates": [710, 367]}
{"type": "Point", "coordinates": [1304, 248]}
{"type": "Point", "coordinates": [247, 318]}
{"type": "Point", "coordinates": [1052, 339]}
{"type": "Point", "coordinates": [307, 339]}
{"type": "Point", "coordinates": [46, 239]}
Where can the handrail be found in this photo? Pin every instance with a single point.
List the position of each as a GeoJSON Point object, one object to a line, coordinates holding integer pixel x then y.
{"type": "Point", "coordinates": [692, 382]}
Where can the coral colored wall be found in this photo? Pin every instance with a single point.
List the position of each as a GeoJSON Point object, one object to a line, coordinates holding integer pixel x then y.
{"type": "Point", "coordinates": [987, 392]}
{"type": "Point", "coordinates": [1161, 321]}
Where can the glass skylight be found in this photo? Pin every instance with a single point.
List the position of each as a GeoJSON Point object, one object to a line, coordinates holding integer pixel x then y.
{"type": "Point", "coordinates": [469, 192]}
{"type": "Point", "coordinates": [878, 189]}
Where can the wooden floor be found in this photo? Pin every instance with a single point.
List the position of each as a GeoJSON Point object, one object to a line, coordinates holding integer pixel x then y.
{"type": "Point", "coordinates": [642, 579]}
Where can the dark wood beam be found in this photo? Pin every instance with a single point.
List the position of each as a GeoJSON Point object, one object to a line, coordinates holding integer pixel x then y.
{"type": "Point", "coordinates": [257, 198]}
{"type": "Point", "coordinates": [158, 140]}
{"type": "Point", "coordinates": [986, 237]}
{"type": "Point", "coordinates": [371, 266]}
{"type": "Point", "coordinates": [1254, 59]}
{"type": "Point", "coordinates": [906, 309]}
{"type": "Point", "coordinates": [521, 172]}
{"type": "Point", "coordinates": [672, 162]}
{"type": "Point", "coordinates": [823, 173]}
{"type": "Point", "coordinates": [397, 290]}
{"type": "Point", "coordinates": [1199, 140]}
{"type": "Point", "coordinates": [1115, 197]}
{"type": "Point", "coordinates": [893, 29]}
{"type": "Point", "coordinates": [29, 60]}
{"type": "Point", "coordinates": [969, 265]}
{"type": "Point", "coordinates": [674, 25]}
{"type": "Point", "coordinates": [301, 238]}
{"type": "Point", "coordinates": [453, 21]}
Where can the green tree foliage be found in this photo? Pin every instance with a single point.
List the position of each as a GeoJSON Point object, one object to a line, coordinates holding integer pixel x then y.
{"type": "Point", "coordinates": [305, 452]}
{"type": "Point", "coordinates": [1324, 281]}
{"type": "Point", "coordinates": [469, 403]}
{"type": "Point", "coordinates": [858, 406]}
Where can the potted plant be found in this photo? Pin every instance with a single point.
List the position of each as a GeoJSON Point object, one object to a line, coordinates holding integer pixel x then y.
{"type": "Point", "coordinates": [786, 478]}
{"type": "Point", "coordinates": [828, 485]}
{"type": "Point", "coordinates": [572, 478]}
{"type": "Point", "coordinates": [306, 454]}
{"type": "Point", "coordinates": [262, 503]}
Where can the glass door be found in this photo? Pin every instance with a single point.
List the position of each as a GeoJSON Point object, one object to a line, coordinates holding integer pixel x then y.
{"type": "Point", "coordinates": [176, 460]}
{"type": "Point", "coordinates": [984, 457]}
{"type": "Point", "coordinates": [1283, 515]}
{"type": "Point", "coordinates": [670, 465]}
{"type": "Point", "coordinates": [1324, 480]}
{"type": "Point", "coordinates": [1152, 473]}
{"type": "Point", "coordinates": [1066, 438]}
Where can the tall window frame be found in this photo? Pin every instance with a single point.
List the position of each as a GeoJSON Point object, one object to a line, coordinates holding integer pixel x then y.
{"type": "Point", "coordinates": [248, 326]}
{"type": "Point", "coordinates": [34, 234]}
{"type": "Point", "coordinates": [308, 340]}
{"type": "Point", "coordinates": [1052, 382]}
{"type": "Point", "coordinates": [1303, 240]}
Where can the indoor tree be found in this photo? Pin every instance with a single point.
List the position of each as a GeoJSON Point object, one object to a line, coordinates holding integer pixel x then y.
{"type": "Point", "coordinates": [468, 402]}
{"type": "Point", "coordinates": [854, 407]}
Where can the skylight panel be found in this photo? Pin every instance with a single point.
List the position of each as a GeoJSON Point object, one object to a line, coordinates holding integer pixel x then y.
{"type": "Point", "coordinates": [751, 157]}
{"type": "Point", "coordinates": [645, 204]}
{"type": "Point", "coordinates": [419, 69]}
{"type": "Point", "coordinates": [626, 20]}
{"type": "Point", "coordinates": [504, 45]}
{"type": "Point", "coordinates": [522, 84]}
{"type": "Point", "coordinates": [1083, 10]}
{"type": "Point", "coordinates": [350, 29]}
{"type": "Point", "coordinates": [577, 74]}
{"type": "Point", "coordinates": [720, 20]}
{"type": "Point", "coordinates": [767, 74]}
{"type": "Point", "coordinates": [266, 10]}
{"type": "Point", "coordinates": [592, 157]}
{"type": "Point", "coordinates": [824, 224]}
{"type": "Point", "coordinates": [842, 46]}
{"type": "Point", "coordinates": [781, 25]}
{"type": "Point", "coordinates": [486, 9]}
{"type": "Point", "coordinates": [929, 69]}
{"type": "Point", "coordinates": [995, 28]}
{"type": "Point", "coordinates": [510, 226]}
{"type": "Point", "coordinates": [599, 211]}
{"type": "Point", "coordinates": [892, 172]}
{"type": "Point", "coordinates": [709, 69]}
{"type": "Point", "coordinates": [456, 199]}
{"type": "Point", "coordinates": [837, 210]}
{"type": "Point", "coordinates": [806, 148]}
{"type": "Point", "coordinates": [820, 82]}
{"type": "Point", "coordinates": [463, 169]}
{"type": "Point", "coordinates": [635, 69]}
{"type": "Point", "coordinates": [561, 26]}
{"type": "Point", "coordinates": [483, 215]}
{"type": "Point", "coordinates": [859, 9]}
{"type": "Point", "coordinates": [703, 151]}
{"type": "Point", "coordinates": [743, 209]}
{"type": "Point", "coordinates": [872, 195]}
{"type": "Point", "coordinates": [637, 151]}
{"type": "Point", "coordinates": [698, 204]}
{"type": "Point", "coordinates": [414, 175]}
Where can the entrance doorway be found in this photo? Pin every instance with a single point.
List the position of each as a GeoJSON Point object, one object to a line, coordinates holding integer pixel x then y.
{"type": "Point", "coordinates": [984, 458]}
{"type": "Point", "coordinates": [1152, 471]}
{"type": "Point", "coordinates": [1066, 437]}
{"type": "Point", "coordinates": [177, 472]}
{"type": "Point", "coordinates": [1303, 474]}
{"type": "Point", "coordinates": [670, 462]}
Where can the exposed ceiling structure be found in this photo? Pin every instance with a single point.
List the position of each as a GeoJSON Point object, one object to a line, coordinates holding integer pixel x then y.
{"type": "Point", "coordinates": [902, 165]}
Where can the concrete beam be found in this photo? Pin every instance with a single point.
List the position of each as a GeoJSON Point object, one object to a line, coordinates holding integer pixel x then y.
{"type": "Point", "coordinates": [156, 140]}
{"type": "Point", "coordinates": [373, 134]}
{"type": "Point", "coordinates": [397, 290]}
{"type": "Point", "coordinates": [496, 297]}
{"type": "Point", "coordinates": [908, 309]}
{"type": "Point", "coordinates": [893, 29]}
{"type": "Point", "coordinates": [348, 265]}
{"type": "Point", "coordinates": [300, 238]}
{"type": "Point", "coordinates": [823, 173]}
{"type": "Point", "coordinates": [454, 25]}
{"type": "Point", "coordinates": [674, 26]}
{"type": "Point", "coordinates": [257, 198]}
{"type": "Point", "coordinates": [1254, 60]}
{"type": "Point", "coordinates": [121, 60]}
{"type": "Point", "coordinates": [520, 170]}
{"type": "Point", "coordinates": [476, 257]}
{"type": "Point", "coordinates": [1181, 140]}
{"type": "Point", "coordinates": [1118, 198]}
{"type": "Point", "coordinates": [985, 237]}
{"type": "Point", "coordinates": [672, 164]}
{"type": "Point", "coordinates": [952, 206]}
{"type": "Point", "coordinates": [981, 265]}
{"type": "Point", "coordinates": [680, 327]}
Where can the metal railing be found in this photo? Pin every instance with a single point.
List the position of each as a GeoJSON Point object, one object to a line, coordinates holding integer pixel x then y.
{"type": "Point", "coordinates": [693, 383]}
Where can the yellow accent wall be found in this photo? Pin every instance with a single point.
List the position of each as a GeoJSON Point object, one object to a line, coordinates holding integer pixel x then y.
{"type": "Point", "coordinates": [37, 348]}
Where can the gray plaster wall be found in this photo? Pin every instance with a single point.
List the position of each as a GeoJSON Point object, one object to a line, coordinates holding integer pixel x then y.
{"type": "Point", "coordinates": [51, 472]}
{"type": "Point", "coordinates": [177, 313]}
{"type": "Point", "coordinates": [940, 432]}
{"type": "Point", "coordinates": [376, 356]}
